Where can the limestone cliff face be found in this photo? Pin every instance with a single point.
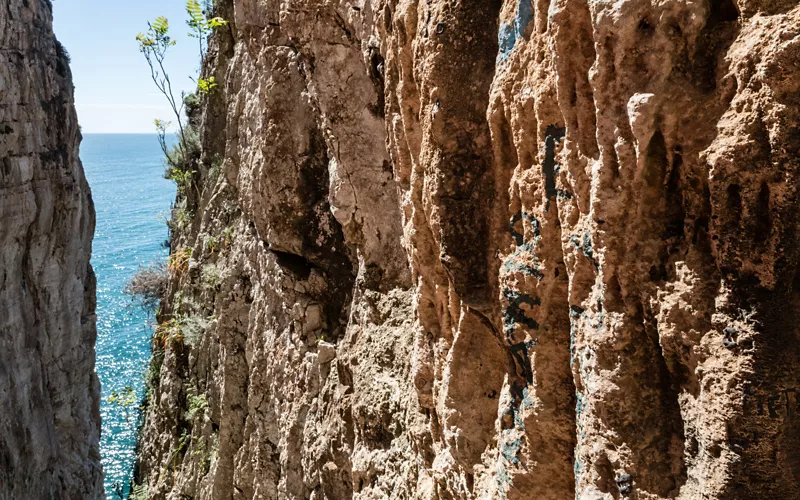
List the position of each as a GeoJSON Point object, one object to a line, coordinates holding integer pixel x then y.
{"type": "Point", "coordinates": [495, 249]}
{"type": "Point", "coordinates": [49, 393]}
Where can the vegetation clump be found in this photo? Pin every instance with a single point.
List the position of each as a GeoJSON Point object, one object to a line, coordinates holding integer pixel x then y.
{"type": "Point", "coordinates": [179, 261]}
{"type": "Point", "coordinates": [197, 404]}
{"type": "Point", "coordinates": [168, 332]}
{"type": "Point", "coordinates": [210, 276]}
{"type": "Point", "coordinates": [149, 286]}
{"type": "Point", "coordinates": [154, 44]}
{"type": "Point", "coordinates": [193, 327]}
{"type": "Point", "coordinates": [139, 492]}
{"type": "Point", "coordinates": [181, 321]}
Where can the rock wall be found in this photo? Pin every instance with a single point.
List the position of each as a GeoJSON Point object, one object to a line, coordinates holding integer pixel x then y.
{"type": "Point", "coordinates": [49, 393]}
{"type": "Point", "coordinates": [496, 249]}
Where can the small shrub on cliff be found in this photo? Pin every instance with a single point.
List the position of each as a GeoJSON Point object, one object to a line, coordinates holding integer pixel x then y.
{"type": "Point", "coordinates": [183, 178]}
{"type": "Point", "coordinates": [197, 404]}
{"type": "Point", "coordinates": [172, 462]}
{"type": "Point", "coordinates": [185, 329]}
{"type": "Point", "coordinates": [149, 285]}
{"type": "Point", "coordinates": [205, 87]}
{"type": "Point", "coordinates": [168, 332]}
{"type": "Point", "coordinates": [61, 52]}
{"type": "Point", "coordinates": [212, 244]}
{"type": "Point", "coordinates": [139, 492]}
{"type": "Point", "coordinates": [193, 327]}
{"type": "Point", "coordinates": [210, 276]}
{"type": "Point", "coordinates": [181, 160]}
{"type": "Point", "coordinates": [227, 236]}
{"type": "Point", "coordinates": [180, 219]}
{"type": "Point", "coordinates": [155, 44]}
{"type": "Point", "coordinates": [179, 261]}
{"type": "Point", "coordinates": [192, 103]}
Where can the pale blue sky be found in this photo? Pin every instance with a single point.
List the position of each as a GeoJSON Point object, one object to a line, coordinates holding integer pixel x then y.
{"type": "Point", "coordinates": [113, 89]}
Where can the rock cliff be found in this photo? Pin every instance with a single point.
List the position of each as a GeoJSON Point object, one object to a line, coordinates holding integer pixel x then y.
{"type": "Point", "coordinates": [491, 249]}
{"type": "Point", "coordinates": [49, 393]}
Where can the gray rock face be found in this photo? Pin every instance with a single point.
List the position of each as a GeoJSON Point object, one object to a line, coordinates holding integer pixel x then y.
{"type": "Point", "coordinates": [491, 249]}
{"type": "Point", "coordinates": [49, 393]}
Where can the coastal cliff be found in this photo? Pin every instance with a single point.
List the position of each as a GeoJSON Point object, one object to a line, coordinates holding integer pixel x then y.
{"type": "Point", "coordinates": [49, 393]}
{"type": "Point", "coordinates": [496, 249]}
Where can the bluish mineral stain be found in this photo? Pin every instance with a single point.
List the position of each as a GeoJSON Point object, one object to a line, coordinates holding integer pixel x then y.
{"type": "Point", "coordinates": [510, 451]}
{"type": "Point", "coordinates": [514, 314]}
{"type": "Point", "coordinates": [131, 197]}
{"type": "Point", "coordinates": [550, 169]}
{"type": "Point", "coordinates": [518, 261]}
{"type": "Point", "coordinates": [509, 33]}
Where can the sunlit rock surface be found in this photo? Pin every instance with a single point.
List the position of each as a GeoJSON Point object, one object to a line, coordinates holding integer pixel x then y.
{"type": "Point", "coordinates": [49, 393]}
{"type": "Point", "coordinates": [450, 249]}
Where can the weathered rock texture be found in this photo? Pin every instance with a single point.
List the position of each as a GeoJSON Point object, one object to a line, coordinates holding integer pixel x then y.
{"type": "Point", "coordinates": [49, 393]}
{"type": "Point", "coordinates": [451, 249]}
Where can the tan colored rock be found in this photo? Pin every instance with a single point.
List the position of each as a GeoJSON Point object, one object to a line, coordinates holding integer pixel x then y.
{"type": "Point", "coordinates": [49, 393]}
{"type": "Point", "coordinates": [553, 246]}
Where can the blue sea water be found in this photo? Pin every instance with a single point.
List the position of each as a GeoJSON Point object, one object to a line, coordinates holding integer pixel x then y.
{"type": "Point", "coordinates": [132, 199]}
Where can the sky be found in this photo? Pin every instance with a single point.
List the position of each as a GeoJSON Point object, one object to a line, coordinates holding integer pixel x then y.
{"type": "Point", "coordinates": [113, 89]}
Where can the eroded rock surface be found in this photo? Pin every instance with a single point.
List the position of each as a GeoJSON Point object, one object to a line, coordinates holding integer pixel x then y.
{"type": "Point", "coordinates": [49, 393]}
{"type": "Point", "coordinates": [488, 249]}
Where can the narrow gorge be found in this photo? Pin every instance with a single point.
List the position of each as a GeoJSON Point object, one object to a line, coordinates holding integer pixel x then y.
{"type": "Point", "coordinates": [439, 249]}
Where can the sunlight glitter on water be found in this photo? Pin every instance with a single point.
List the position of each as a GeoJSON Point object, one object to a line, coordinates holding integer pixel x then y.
{"type": "Point", "coordinates": [125, 173]}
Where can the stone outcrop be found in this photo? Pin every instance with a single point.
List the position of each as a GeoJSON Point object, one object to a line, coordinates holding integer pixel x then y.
{"type": "Point", "coordinates": [49, 393]}
{"type": "Point", "coordinates": [496, 249]}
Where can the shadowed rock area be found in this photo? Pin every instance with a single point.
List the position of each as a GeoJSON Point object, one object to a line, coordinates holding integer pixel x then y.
{"type": "Point", "coordinates": [49, 393]}
{"type": "Point", "coordinates": [499, 250]}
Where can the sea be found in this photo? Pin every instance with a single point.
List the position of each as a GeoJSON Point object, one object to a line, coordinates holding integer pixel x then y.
{"type": "Point", "coordinates": [132, 199]}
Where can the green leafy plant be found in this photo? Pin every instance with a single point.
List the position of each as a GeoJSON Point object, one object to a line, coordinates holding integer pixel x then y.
{"type": "Point", "coordinates": [203, 455]}
{"type": "Point", "coordinates": [181, 161]}
{"type": "Point", "coordinates": [212, 244]}
{"type": "Point", "coordinates": [192, 104]}
{"type": "Point", "coordinates": [197, 405]}
{"type": "Point", "coordinates": [183, 178]}
{"type": "Point", "coordinates": [152, 374]}
{"type": "Point", "coordinates": [154, 45]}
{"type": "Point", "coordinates": [200, 26]}
{"type": "Point", "coordinates": [205, 87]}
{"type": "Point", "coordinates": [183, 442]}
{"type": "Point", "coordinates": [227, 236]}
{"type": "Point", "coordinates": [161, 130]}
{"type": "Point", "coordinates": [181, 217]}
{"type": "Point", "coordinates": [139, 492]}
